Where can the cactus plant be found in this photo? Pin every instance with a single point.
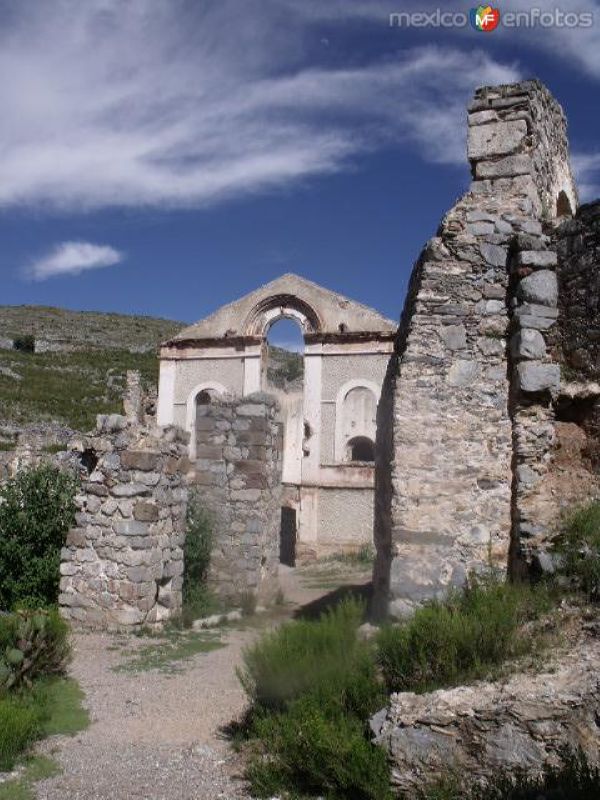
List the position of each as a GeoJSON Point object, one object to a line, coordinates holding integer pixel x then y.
{"type": "Point", "coordinates": [32, 643]}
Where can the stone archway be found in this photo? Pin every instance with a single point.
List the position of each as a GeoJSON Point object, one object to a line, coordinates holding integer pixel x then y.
{"type": "Point", "coordinates": [301, 419]}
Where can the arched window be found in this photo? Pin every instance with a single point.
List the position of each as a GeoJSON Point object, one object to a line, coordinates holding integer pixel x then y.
{"type": "Point", "coordinates": [563, 205]}
{"type": "Point", "coordinates": [200, 397]}
{"type": "Point", "coordinates": [355, 417]}
{"type": "Point", "coordinates": [283, 367]}
{"type": "Point", "coordinates": [203, 398]}
{"type": "Point", "coordinates": [361, 448]}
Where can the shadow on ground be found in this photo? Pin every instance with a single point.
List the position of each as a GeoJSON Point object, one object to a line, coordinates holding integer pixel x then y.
{"type": "Point", "coordinates": [314, 609]}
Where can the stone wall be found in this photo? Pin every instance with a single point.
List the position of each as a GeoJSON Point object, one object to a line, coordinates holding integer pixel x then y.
{"type": "Point", "coordinates": [475, 732]}
{"type": "Point", "coordinates": [123, 563]}
{"type": "Point", "coordinates": [238, 479]}
{"type": "Point", "coordinates": [578, 245]}
{"type": "Point", "coordinates": [471, 416]}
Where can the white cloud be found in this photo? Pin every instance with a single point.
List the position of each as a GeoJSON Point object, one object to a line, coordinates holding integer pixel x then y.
{"type": "Point", "coordinates": [72, 258]}
{"type": "Point", "coordinates": [587, 172]}
{"type": "Point", "coordinates": [179, 104]}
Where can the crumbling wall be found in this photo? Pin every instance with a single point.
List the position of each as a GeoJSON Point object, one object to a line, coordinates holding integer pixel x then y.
{"type": "Point", "coordinates": [472, 414]}
{"type": "Point", "coordinates": [122, 565]}
{"type": "Point", "coordinates": [238, 478]}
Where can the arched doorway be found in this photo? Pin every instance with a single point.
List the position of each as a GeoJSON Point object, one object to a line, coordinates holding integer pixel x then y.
{"type": "Point", "coordinates": [202, 395]}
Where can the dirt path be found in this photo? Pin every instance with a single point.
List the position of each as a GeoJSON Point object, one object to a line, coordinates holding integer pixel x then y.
{"type": "Point", "coordinates": [156, 733]}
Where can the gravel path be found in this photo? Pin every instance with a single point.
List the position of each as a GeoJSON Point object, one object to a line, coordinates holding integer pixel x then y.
{"type": "Point", "coordinates": [153, 734]}
{"type": "Point", "coordinates": [157, 735]}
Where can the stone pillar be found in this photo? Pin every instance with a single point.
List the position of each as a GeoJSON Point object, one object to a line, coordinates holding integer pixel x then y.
{"type": "Point", "coordinates": [133, 397]}
{"type": "Point", "coordinates": [238, 479]}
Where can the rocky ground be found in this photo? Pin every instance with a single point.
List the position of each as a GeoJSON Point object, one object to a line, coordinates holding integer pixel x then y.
{"type": "Point", "coordinates": [157, 724]}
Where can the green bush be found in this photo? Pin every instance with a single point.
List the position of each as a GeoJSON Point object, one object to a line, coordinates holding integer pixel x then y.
{"type": "Point", "coordinates": [313, 686]}
{"type": "Point", "coordinates": [579, 546]}
{"type": "Point", "coordinates": [321, 657]}
{"type": "Point", "coordinates": [36, 510]}
{"type": "Point", "coordinates": [21, 722]}
{"type": "Point", "coordinates": [33, 643]}
{"type": "Point", "coordinates": [24, 344]}
{"type": "Point", "coordinates": [575, 779]}
{"type": "Point", "coordinates": [462, 638]}
{"type": "Point", "coordinates": [53, 706]}
{"type": "Point", "coordinates": [197, 549]}
{"type": "Point", "coordinates": [316, 752]}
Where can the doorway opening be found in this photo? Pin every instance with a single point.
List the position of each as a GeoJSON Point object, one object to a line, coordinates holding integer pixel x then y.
{"type": "Point", "coordinates": [283, 367]}
{"type": "Point", "coordinates": [283, 377]}
{"type": "Point", "coordinates": [287, 537]}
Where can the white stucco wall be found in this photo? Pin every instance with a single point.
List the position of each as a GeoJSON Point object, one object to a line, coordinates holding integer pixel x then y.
{"type": "Point", "coordinates": [345, 518]}
{"type": "Point", "coordinates": [339, 371]}
{"type": "Point", "coordinates": [227, 371]}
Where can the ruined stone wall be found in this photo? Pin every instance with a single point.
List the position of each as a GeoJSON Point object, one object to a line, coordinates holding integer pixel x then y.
{"type": "Point", "coordinates": [578, 245]}
{"type": "Point", "coordinates": [238, 479]}
{"type": "Point", "coordinates": [471, 416]}
{"type": "Point", "coordinates": [122, 564]}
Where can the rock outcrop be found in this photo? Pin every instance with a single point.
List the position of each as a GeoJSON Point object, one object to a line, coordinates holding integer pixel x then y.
{"type": "Point", "coordinates": [476, 732]}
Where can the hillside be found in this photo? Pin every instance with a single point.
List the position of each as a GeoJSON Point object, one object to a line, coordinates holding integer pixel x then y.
{"type": "Point", "coordinates": [78, 369]}
{"type": "Point", "coordinates": [91, 330]}
{"type": "Point", "coordinates": [81, 369]}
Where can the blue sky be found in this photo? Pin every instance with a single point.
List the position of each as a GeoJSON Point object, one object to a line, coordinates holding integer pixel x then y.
{"type": "Point", "coordinates": [165, 157]}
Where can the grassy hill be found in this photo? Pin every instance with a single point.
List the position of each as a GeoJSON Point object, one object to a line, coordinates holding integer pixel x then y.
{"type": "Point", "coordinates": [86, 376]}
{"type": "Point", "coordinates": [91, 330]}
{"type": "Point", "coordinates": [70, 388]}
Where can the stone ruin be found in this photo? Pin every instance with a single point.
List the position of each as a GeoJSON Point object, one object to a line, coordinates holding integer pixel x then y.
{"type": "Point", "coordinates": [484, 407]}
{"type": "Point", "coordinates": [238, 479]}
{"type": "Point", "coordinates": [467, 428]}
{"type": "Point", "coordinates": [122, 565]}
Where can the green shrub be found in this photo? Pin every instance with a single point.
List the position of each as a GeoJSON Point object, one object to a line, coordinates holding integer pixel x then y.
{"type": "Point", "coordinates": [579, 546]}
{"type": "Point", "coordinates": [313, 686]}
{"type": "Point", "coordinates": [317, 752]}
{"type": "Point", "coordinates": [461, 638]}
{"type": "Point", "coordinates": [197, 600]}
{"type": "Point", "coordinates": [36, 510]}
{"type": "Point", "coordinates": [21, 722]}
{"type": "Point", "coordinates": [52, 706]}
{"type": "Point", "coordinates": [321, 657]}
{"type": "Point", "coordinates": [575, 779]}
{"type": "Point", "coordinates": [24, 344]}
{"type": "Point", "coordinates": [33, 643]}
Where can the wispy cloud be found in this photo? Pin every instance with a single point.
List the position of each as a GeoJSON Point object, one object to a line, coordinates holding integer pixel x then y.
{"type": "Point", "coordinates": [72, 258]}
{"type": "Point", "coordinates": [574, 46]}
{"type": "Point", "coordinates": [178, 104]}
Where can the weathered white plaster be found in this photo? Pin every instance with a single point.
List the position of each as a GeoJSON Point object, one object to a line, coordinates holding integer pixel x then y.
{"type": "Point", "coordinates": [347, 346]}
{"type": "Point", "coordinates": [166, 393]}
